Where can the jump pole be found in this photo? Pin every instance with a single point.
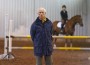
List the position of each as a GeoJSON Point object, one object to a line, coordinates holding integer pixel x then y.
{"type": "Point", "coordinates": [58, 37]}
{"type": "Point", "coordinates": [57, 48]}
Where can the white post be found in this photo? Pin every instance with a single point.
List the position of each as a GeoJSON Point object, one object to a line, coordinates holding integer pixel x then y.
{"type": "Point", "coordinates": [10, 39]}
{"type": "Point", "coordinates": [5, 39]}
{"type": "Point", "coordinates": [10, 56]}
{"type": "Point", "coordinates": [5, 34]}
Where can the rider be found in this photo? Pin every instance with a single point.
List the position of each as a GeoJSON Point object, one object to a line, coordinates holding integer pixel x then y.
{"type": "Point", "coordinates": [64, 16]}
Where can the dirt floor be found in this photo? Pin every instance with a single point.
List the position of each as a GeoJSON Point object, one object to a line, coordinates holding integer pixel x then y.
{"type": "Point", "coordinates": [60, 57]}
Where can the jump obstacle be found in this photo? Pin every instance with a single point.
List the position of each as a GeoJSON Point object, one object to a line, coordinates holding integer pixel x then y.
{"type": "Point", "coordinates": [9, 47]}
{"type": "Point", "coordinates": [8, 42]}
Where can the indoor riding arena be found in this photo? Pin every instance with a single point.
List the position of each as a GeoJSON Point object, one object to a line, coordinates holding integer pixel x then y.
{"type": "Point", "coordinates": [17, 46]}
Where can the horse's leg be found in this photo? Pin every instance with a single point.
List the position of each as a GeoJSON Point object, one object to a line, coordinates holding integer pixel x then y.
{"type": "Point", "coordinates": [71, 45]}
{"type": "Point", "coordinates": [54, 42]}
{"type": "Point", "coordinates": [55, 39]}
{"type": "Point", "coordinates": [66, 41]}
{"type": "Point", "coordinates": [70, 42]}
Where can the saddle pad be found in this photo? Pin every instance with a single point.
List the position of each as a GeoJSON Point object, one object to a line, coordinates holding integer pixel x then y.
{"type": "Point", "coordinates": [59, 24]}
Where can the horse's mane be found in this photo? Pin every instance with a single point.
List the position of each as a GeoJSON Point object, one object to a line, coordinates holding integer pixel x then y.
{"type": "Point", "coordinates": [74, 17]}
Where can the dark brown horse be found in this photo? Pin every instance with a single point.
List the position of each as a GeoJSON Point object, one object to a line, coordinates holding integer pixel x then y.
{"type": "Point", "coordinates": [69, 27]}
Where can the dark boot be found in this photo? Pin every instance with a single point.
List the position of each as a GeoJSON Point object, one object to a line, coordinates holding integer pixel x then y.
{"type": "Point", "coordinates": [62, 28]}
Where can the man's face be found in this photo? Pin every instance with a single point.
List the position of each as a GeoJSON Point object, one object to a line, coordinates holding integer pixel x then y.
{"type": "Point", "coordinates": [64, 9]}
{"type": "Point", "coordinates": [41, 14]}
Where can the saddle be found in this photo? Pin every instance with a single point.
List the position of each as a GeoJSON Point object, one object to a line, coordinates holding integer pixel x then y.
{"type": "Point", "coordinates": [59, 26]}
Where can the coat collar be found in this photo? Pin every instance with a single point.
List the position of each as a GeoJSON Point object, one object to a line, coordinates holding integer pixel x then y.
{"type": "Point", "coordinates": [38, 21]}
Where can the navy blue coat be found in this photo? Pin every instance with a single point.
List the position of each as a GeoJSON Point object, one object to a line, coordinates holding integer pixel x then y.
{"type": "Point", "coordinates": [41, 34]}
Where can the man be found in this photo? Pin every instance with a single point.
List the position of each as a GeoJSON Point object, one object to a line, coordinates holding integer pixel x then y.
{"type": "Point", "coordinates": [64, 16]}
{"type": "Point", "coordinates": [41, 34]}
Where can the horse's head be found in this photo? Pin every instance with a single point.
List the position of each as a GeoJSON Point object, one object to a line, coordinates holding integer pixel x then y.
{"type": "Point", "coordinates": [78, 19]}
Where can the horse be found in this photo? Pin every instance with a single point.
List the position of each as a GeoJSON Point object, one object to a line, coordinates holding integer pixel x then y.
{"type": "Point", "coordinates": [69, 28]}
